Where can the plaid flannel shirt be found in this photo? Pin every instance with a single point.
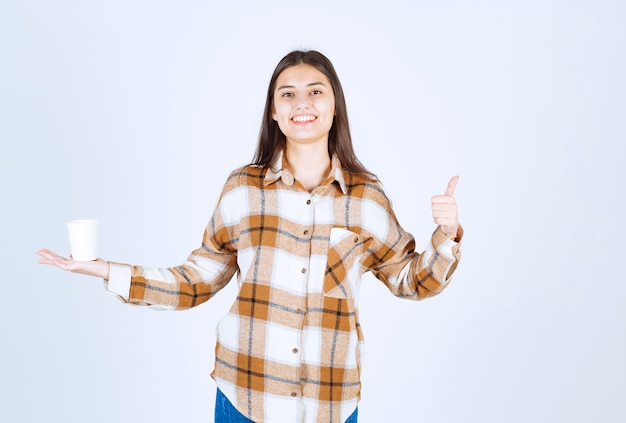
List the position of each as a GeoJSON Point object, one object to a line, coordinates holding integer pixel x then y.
{"type": "Point", "coordinates": [289, 348]}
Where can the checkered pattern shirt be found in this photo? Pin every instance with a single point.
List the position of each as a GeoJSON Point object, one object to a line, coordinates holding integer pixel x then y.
{"type": "Point", "coordinates": [289, 348]}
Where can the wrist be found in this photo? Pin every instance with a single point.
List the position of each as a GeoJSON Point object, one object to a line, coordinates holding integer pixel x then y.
{"type": "Point", "coordinates": [458, 234]}
{"type": "Point", "coordinates": [103, 269]}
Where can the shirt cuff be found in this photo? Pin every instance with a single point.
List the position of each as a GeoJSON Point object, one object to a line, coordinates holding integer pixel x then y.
{"type": "Point", "coordinates": [445, 245]}
{"type": "Point", "coordinates": [119, 280]}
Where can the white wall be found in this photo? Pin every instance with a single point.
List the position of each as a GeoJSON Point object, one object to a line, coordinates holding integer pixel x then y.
{"type": "Point", "coordinates": [133, 112]}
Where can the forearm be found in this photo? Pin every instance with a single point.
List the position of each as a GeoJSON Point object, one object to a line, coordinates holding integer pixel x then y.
{"type": "Point", "coordinates": [431, 273]}
{"type": "Point", "coordinates": [422, 275]}
{"type": "Point", "coordinates": [180, 287]}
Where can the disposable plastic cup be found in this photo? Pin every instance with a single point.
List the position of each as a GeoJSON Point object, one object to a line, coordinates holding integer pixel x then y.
{"type": "Point", "coordinates": [83, 235]}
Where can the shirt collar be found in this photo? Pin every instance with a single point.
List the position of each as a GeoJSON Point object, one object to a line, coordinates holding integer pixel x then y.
{"type": "Point", "coordinates": [279, 171]}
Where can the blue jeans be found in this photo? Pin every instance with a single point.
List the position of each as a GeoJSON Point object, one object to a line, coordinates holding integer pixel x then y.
{"type": "Point", "coordinates": [225, 412]}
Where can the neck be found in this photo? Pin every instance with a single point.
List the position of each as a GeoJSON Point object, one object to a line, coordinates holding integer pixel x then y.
{"type": "Point", "coordinates": [310, 164]}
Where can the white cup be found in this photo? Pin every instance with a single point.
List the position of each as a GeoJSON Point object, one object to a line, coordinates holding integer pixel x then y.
{"type": "Point", "coordinates": [83, 236]}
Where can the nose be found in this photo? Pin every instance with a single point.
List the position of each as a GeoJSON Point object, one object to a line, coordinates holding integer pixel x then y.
{"type": "Point", "coordinates": [302, 102]}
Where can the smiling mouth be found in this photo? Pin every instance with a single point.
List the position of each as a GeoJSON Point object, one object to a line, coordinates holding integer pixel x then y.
{"type": "Point", "coordinates": [303, 119]}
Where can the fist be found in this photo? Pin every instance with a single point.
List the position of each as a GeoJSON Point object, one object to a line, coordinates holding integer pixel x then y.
{"type": "Point", "coordinates": [445, 213]}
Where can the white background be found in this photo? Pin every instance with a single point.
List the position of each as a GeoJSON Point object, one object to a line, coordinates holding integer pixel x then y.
{"type": "Point", "coordinates": [134, 112]}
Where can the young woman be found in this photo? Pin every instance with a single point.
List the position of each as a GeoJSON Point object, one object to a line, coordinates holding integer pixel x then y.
{"type": "Point", "coordinates": [299, 226]}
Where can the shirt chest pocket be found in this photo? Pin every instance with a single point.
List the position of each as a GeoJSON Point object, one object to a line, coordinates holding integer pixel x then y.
{"type": "Point", "coordinates": [342, 266]}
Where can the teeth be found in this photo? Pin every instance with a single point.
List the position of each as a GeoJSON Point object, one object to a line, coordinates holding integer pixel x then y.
{"type": "Point", "coordinates": [303, 118]}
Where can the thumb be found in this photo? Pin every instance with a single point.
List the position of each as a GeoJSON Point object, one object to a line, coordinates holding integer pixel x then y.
{"type": "Point", "coordinates": [451, 186]}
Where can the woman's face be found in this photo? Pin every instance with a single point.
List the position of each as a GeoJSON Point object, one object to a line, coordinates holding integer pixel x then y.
{"type": "Point", "coordinates": [304, 105]}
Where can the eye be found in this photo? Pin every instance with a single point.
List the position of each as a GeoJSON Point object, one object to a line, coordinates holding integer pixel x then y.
{"type": "Point", "coordinates": [316, 92]}
{"type": "Point", "coordinates": [287, 94]}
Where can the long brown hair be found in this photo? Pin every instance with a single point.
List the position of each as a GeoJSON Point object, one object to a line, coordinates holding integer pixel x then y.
{"type": "Point", "coordinates": [272, 140]}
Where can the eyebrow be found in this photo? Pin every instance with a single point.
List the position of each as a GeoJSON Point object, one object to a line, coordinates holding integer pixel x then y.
{"type": "Point", "coordinates": [282, 87]}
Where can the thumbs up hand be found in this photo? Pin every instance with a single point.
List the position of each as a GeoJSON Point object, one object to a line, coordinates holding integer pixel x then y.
{"type": "Point", "coordinates": [445, 213]}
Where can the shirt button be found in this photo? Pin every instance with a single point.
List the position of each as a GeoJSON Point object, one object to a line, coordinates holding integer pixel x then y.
{"type": "Point", "coordinates": [294, 394]}
{"type": "Point", "coordinates": [308, 201]}
{"type": "Point", "coordinates": [303, 270]}
{"type": "Point", "coordinates": [299, 311]}
{"type": "Point", "coordinates": [356, 239]}
{"type": "Point", "coordinates": [295, 351]}
{"type": "Point", "coordinates": [306, 231]}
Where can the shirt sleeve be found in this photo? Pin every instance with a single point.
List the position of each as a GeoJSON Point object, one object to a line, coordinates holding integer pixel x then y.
{"type": "Point", "coordinates": [206, 271]}
{"type": "Point", "coordinates": [406, 273]}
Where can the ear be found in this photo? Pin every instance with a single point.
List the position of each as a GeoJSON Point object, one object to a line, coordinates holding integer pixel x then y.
{"type": "Point", "coordinates": [274, 115]}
